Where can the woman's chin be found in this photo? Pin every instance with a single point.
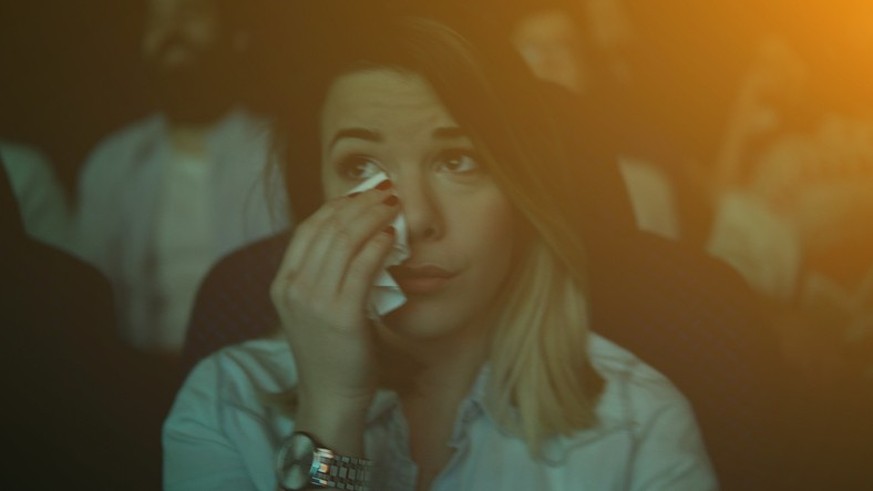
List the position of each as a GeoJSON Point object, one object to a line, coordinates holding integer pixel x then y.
{"type": "Point", "coordinates": [414, 321]}
{"type": "Point", "coordinates": [401, 326]}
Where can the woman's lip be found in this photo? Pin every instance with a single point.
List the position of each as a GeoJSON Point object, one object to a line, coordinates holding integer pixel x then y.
{"type": "Point", "coordinates": [419, 285]}
{"type": "Point", "coordinates": [420, 279]}
{"type": "Point", "coordinates": [425, 271]}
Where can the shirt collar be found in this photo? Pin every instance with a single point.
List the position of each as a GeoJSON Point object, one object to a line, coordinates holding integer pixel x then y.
{"type": "Point", "coordinates": [385, 401]}
{"type": "Point", "coordinates": [554, 450]}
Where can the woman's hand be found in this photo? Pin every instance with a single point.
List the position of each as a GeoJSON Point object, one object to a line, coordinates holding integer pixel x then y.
{"type": "Point", "coordinates": [321, 293]}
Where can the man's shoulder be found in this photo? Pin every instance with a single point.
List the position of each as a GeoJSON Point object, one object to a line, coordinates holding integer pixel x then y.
{"type": "Point", "coordinates": [145, 127]}
{"type": "Point", "coordinates": [129, 139]}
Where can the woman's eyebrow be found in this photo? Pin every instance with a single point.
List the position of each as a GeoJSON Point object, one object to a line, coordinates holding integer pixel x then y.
{"type": "Point", "coordinates": [450, 133]}
{"type": "Point", "coordinates": [357, 133]}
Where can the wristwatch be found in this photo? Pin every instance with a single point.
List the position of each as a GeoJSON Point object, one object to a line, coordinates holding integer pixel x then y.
{"type": "Point", "coordinates": [304, 463]}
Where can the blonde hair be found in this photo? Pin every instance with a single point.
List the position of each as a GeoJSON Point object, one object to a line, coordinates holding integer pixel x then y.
{"type": "Point", "coordinates": [541, 384]}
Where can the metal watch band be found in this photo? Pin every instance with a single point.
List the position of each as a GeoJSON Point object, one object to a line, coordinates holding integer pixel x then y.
{"type": "Point", "coordinates": [339, 471]}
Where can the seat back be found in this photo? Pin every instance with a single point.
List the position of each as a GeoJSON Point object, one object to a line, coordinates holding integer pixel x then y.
{"type": "Point", "coordinates": [233, 303]}
{"type": "Point", "coordinates": [85, 411]}
{"type": "Point", "coordinates": [695, 320]}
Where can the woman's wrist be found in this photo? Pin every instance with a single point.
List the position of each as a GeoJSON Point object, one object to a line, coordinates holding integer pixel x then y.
{"type": "Point", "coordinates": [337, 422]}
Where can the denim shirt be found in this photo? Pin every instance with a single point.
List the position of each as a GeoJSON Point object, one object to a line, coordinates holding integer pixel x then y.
{"type": "Point", "coordinates": [220, 435]}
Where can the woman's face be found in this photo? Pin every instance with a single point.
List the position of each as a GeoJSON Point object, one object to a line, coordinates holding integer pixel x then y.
{"type": "Point", "coordinates": [460, 224]}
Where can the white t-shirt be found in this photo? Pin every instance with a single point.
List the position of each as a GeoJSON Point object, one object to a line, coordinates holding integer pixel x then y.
{"type": "Point", "coordinates": [184, 238]}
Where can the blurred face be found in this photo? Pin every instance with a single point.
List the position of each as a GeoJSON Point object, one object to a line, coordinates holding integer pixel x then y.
{"type": "Point", "coordinates": [610, 24]}
{"type": "Point", "coordinates": [192, 61]}
{"type": "Point", "coordinates": [460, 224]}
{"type": "Point", "coordinates": [548, 41]}
{"type": "Point", "coordinates": [177, 31]}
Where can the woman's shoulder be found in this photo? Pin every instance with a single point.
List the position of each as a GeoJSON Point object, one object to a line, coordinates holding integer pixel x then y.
{"type": "Point", "coordinates": [223, 426]}
{"type": "Point", "coordinates": [634, 391]}
{"type": "Point", "coordinates": [259, 366]}
{"type": "Point", "coordinates": [644, 424]}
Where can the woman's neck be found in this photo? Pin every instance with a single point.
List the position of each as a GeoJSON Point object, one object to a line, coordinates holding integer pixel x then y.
{"type": "Point", "coordinates": [442, 366]}
{"type": "Point", "coordinates": [433, 377]}
{"type": "Point", "coordinates": [431, 407]}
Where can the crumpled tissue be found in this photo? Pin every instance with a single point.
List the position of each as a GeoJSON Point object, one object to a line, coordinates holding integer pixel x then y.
{"type": "Point", "coordinates": [386, 295]}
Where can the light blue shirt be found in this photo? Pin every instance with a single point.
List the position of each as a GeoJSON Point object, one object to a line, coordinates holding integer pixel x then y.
{"type": "Point", "coordinates": [220, 435]}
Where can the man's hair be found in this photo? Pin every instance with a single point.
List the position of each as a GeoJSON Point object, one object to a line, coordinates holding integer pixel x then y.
{"type": "Point", "coordinates": [541, 382]}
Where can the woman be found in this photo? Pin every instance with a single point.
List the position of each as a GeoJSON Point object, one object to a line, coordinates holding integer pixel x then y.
{"type": "Point", "coordinates": [487, 377]}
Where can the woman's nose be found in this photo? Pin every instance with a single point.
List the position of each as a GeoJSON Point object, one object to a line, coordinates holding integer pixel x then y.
{"type": "Point", "coordinates": [421, 208]}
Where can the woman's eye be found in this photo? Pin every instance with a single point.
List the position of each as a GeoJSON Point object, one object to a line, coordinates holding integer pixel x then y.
{"type": "Point", "coordinates": [459, 162]}
{"type": "Point", "coordinates": [358, 168]}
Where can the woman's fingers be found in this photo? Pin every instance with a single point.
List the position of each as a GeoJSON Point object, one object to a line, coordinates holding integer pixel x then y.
{"type": "Point", "coordinates": [301, 245]}
{"type": "Point", "coordinates": [302, 238]}
{"type": "Point", "coordinates": [345, 242]}
{"type": "Point", "coordinates": [364, 267]}
{"type": "Point", "coordinates": [322, 247]}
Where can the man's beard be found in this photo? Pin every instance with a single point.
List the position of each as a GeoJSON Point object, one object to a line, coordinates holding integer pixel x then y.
{"type": "Point", "coordinates": [197, 91]}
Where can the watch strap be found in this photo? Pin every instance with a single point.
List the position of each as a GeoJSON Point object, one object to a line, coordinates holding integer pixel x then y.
{"type": "Point", "coordinates": [330, 470]}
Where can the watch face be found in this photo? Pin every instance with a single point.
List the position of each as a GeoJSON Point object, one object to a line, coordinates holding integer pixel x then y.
{"type": "Point", "coordinates": [294, 462]}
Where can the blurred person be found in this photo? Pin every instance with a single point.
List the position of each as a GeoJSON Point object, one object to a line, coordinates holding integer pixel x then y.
{"type": "Point", "coordinates": [573, 44]}
{"type": "Point", "coordinates": [161, 200]}
{"type": "Point", "coordinates": [613, 32]}
{"type": "Point", "coordinates": [488, 375]}
{"type": "Point", "coordinates": [554, 44]}
{"type": "Point", "coordinates": [41, 199]}
{"type": "Point", "coordinates": [795, 210]}
{"type": "Point", "coordinates": [778, 131]}
{"type": "Point", "coordinates": [692, 59]}
{"type": "Point", "coordinates": [779, 171]}
{"type": "Point", "coordinates": [607, 28]}
{"type": "Point", "coordinates": [799, 150]}
{"type": "Point", "coordinates": [791, 168]}
{"type": "Point", "coordinates": [746, 230]}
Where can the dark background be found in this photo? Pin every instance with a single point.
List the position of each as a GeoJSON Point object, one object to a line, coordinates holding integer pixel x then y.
{"type": "Point", "coordinates": [69, 74]}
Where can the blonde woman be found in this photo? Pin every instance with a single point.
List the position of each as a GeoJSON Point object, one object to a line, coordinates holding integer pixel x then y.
{"type": "Point", "coordinates": [487, 377]}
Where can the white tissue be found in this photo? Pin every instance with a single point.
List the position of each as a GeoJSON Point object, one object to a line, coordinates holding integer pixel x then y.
{"type": "Point", "coordinates": [386, 294]}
